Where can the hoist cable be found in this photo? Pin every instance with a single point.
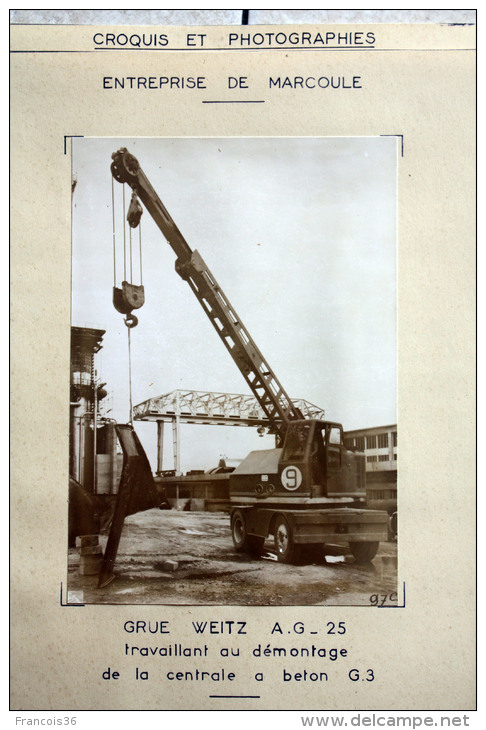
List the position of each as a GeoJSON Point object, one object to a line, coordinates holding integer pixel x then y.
{"type": "Point", "coordinates": [131, 265]}
{"type": "Point", "coordinates": [124, 239]}
{"type": "Point", "coordinates": [114, 237]}
{"type": "Point", "coordinates": [130, 376]}
{"type": "Point", "coordinates": [140, 246]}
{"type": "Point", "coordinates": [130, 319]}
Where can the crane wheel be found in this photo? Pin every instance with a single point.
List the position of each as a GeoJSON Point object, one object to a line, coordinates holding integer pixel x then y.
{"type": "Point", "coordinates": [286, 549]}
{"type": "Point", "coordinates": [242, 541]}
{"type": "Point", "coordinates": [364, 552]}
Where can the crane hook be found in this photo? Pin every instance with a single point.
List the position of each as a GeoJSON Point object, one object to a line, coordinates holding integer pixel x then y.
{"type": "Point", "coordinates": [131, 321]}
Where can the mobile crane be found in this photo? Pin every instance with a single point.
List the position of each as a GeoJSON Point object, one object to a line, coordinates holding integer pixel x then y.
{"type": "Point", "coordinates": [309, 490]}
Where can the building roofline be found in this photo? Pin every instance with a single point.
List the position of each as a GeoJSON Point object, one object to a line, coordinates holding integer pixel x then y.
{"type": "Point", "coordinates": [369, 428]}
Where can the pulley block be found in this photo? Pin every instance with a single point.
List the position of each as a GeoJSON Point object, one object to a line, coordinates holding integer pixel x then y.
{"type": "Point", "coordinates": [129, 297]}
{"type": "Point", "coordinates": [135, 211]}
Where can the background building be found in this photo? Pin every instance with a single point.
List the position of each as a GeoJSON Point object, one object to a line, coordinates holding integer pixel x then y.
{"type": "Point", "coordinates": [380, 447]}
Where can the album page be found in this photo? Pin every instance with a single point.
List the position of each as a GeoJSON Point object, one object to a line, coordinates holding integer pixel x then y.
{"type": "Point", "coordinates": [243, 367]}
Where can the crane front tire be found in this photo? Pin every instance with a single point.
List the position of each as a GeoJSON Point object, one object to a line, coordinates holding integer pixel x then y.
{"type": "Point", "coordinates": [285, 547]}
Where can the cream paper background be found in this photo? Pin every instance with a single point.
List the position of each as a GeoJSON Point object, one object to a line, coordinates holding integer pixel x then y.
{"type": "Point", "coordinates": [423, 656]}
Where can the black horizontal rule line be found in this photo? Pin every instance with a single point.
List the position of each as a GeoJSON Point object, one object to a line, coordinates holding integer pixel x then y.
{"type": "Point", "coordinates": [236, 101]}
{"type": "Point", "coordinates": [256, 48]}
{"type": "Point", "coordinates": [235, 697]}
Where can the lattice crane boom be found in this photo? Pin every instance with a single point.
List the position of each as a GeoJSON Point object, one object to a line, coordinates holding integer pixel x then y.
{"type": "Point", "coordinates": [273, 399]}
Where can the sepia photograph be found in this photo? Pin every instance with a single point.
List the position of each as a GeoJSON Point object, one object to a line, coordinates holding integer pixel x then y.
{"type": "Point", "coordinates": [291, 497]}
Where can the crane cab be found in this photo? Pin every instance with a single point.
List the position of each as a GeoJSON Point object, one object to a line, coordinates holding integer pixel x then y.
{"type": "Point", "coordinates": [313, 467]}
{"type": "Point", "coordinates": [308, 493]}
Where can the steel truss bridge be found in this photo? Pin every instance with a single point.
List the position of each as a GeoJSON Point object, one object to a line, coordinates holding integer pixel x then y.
{"type": "Point", "coordinates": [207, 408]}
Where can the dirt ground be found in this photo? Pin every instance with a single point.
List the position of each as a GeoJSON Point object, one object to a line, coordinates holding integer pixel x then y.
{"type": "Point", "coordinates": [203, 568]}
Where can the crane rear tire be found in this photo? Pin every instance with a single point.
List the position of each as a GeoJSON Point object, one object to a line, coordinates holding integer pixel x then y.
{"type": "Point", "coordinates": [242, 541]}
{"type": "Point", "coordinates": [364, 552]}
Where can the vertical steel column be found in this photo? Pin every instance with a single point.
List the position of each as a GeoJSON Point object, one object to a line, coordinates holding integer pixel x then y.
{"type": "Point", "coordinates": [95, 431]}
{"type": "Point", "coordinates": [80, 441]}
{"type": "Point", "coordinates": [176, 445]}
{"type": "Point", "coordinates": [160, 446]}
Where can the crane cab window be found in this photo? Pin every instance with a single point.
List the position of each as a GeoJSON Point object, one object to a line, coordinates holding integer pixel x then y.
{"type": "Point", "coordinates": [332, 438]}
{"type": "Point", "coordinates": [296, 442]}
{"type": "Point", "coordinates": [330, 435]}
{"type": "Point", "coordinates": [335, 435]}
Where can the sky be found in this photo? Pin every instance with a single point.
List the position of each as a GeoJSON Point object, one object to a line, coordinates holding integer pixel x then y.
{"type": "Point", "coordinates": [300, 234]}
